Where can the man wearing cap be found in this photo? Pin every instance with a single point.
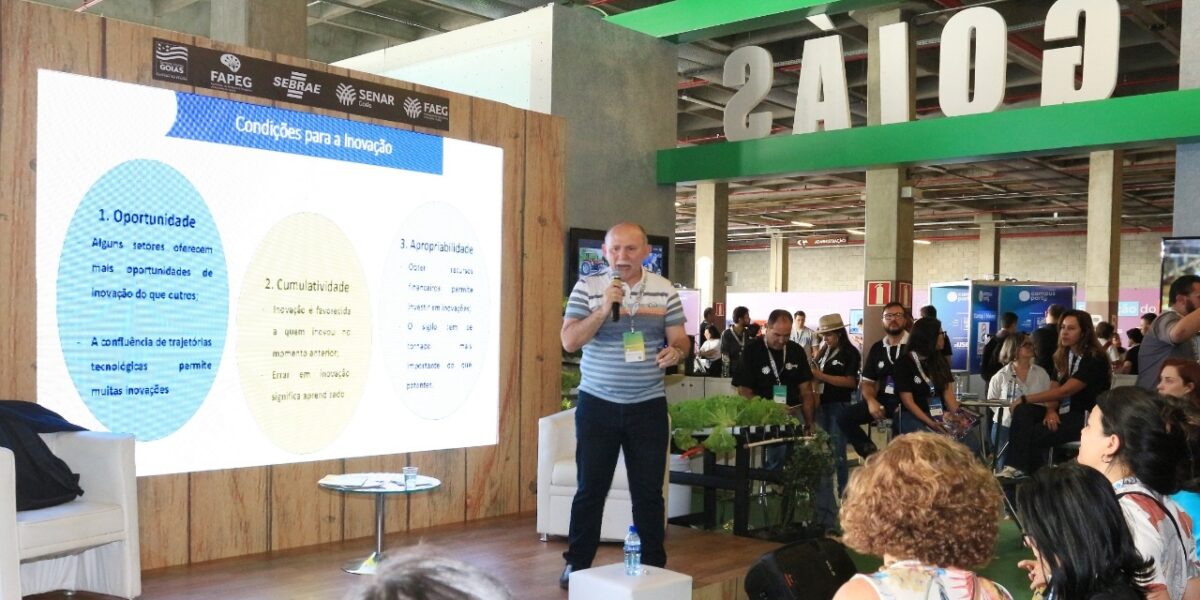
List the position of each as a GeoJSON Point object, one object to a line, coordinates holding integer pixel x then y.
{"type": "Point", "coordinates": [878, 385]}
{"type": "Point", "coordinates": [622, 402]}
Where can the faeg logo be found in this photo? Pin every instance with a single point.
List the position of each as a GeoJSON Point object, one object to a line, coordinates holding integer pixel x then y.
{"type": "Point", "coordinates": [232, 62]}
{"type": "Point", "coordinates": [346, 94]}
{"type": "Point", "coordinates": [412, 108]}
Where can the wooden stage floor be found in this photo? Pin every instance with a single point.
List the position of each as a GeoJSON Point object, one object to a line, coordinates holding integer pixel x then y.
{"type": "Point", "coordinates": [506, 547]}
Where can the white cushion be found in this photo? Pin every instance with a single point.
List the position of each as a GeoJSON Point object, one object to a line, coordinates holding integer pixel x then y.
{"type": "Point", "coordinates": [68, 526]}
{"type": "Point", "coordinates": [565, 474]}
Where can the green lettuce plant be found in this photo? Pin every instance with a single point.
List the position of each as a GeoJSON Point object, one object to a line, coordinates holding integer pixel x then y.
{"type": "Point", "coordinates": [720, 413]}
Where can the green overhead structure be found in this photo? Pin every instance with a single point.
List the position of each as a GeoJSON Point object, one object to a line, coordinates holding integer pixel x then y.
{"type": "Point", "coordinates": [684, 21]}
{"type": "Point", "coordinates": [1085, 126]}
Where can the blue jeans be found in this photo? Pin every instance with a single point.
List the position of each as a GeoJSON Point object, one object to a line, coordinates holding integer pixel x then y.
{"type": "Point", "coordinates": [602, 430]}
{"type": "Point", "coordinates": [827, 505]}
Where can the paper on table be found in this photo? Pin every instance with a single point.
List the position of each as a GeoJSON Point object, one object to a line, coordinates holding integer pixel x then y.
{"type": "Point", "coordinates": [360, 480]}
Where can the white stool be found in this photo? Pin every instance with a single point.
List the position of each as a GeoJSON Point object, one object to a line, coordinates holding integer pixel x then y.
{"type": "Point", "coordinates": [611, 583]}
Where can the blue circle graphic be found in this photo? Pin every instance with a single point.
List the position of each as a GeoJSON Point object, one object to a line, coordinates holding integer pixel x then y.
{"type": "Point", "coordinates": [143, 299]}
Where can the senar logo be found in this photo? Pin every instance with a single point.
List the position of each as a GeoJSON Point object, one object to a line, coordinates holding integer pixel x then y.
{"type": "Point", "coordinates": [346, 94]}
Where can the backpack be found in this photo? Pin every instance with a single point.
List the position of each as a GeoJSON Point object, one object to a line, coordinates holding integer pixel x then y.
{"type": "Point", "coordinates": [43, 479]}
{"type": "Point", "coordinates": [807, 570]}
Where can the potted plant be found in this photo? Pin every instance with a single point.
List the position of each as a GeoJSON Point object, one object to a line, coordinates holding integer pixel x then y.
{"type": "Point", "coordinates": [809, 462]}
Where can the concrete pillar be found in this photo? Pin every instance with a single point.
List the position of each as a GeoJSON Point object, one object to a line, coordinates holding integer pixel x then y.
{"type": "Point", "coordinates": [273, 25]}
{"type": "Point", "coordinates": [989, 246]}
{"type": "Point", "coordinates": [1187, 156]}
{"type": "Point", "coordinates": [1103, 271]}
{"type": "Point", "coordinates": [889, 216]}
{"type": "Point", "coordinates": [779, 263]}
{"type": "Point", "coordinates": [712, 234]}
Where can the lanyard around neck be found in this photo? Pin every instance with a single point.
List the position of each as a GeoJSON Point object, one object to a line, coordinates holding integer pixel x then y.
{"type": "Point", "coordinates": [775, 369]}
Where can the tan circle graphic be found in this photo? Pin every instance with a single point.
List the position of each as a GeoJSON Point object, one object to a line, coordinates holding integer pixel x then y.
{"type": "Point", "coordinates": [304, 333]}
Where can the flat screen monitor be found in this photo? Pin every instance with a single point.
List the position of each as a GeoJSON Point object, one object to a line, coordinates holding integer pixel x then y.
{"type": "Point", "coordinates": [585, 257]}
{"type": "Point", "coordinates": [1180, 256]}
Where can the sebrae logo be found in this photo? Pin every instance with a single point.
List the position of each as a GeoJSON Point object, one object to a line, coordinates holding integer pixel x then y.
{"type": "Point", "coordinates": [346, 94]}
{"type": "Point", "coordinates": [297, 85]}
{"type": "Point", "coordinates": [412, 108]}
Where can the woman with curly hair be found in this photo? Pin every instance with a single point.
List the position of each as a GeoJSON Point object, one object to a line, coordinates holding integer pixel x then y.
{"type": "Point", "coordinates": [1143, 444]}
{"type": "Point", "coordinates": [1081, 544]}
{"type": "Point", "coordinates": [931, 511]}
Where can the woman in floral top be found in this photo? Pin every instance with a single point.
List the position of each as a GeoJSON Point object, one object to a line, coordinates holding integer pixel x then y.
{"type": "Point", "coordinates": [931, 511]}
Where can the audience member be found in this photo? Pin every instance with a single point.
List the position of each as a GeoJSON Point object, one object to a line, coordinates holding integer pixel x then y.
{"type": "Point", "coordinates": [1147, 320]}
{"type": "Point", "coordinates": [944, 347]}
{"type": "Point", "coordinates": [1171, 334]}
{"type": "Point", "coordinates": [991, 362]}
{"type": "Point", "coordinates": [1181, 378]}
{"type": "Point", "coordinates": [1081, 544]}
{"type": "Point", "coordinates": [931, 511]}
{"type": "Point", "coordinates": [416, 575]}
{"type": "Point", "coordinates": [1018, 376]}
{"type": "Point", "coordinates": [1046, 419]}
{"type": "Point", "coordinates": [710, 343]}
{"type": "Point", "coordinates": [878, 384]}
{"type": "Point", "coordinates": [1130, 366]}
{"type": "Point", "coordinates": [1110, 342]}
{"type": "Point", "coordinates": [1045, 339]}
{"type": "Point", "coordinates": [924, 383]}
{"type": "Point", "coordinates": [734, 339]}
{"type": "Point", "coordinates": [837, 370]}
{"type": "Point", "coordinates": [803, 335]}
{"type": "Point", "coordinates": [1143, 444]}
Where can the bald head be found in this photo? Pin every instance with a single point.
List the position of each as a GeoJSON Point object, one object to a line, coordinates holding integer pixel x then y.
{"type": "Point", "coordinates": [626, 248]}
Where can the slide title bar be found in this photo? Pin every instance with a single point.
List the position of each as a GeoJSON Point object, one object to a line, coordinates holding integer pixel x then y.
{"type": "Point", "coordinates": [221, 121]}
{"type": "Point", "coordinates": [1101, 124]}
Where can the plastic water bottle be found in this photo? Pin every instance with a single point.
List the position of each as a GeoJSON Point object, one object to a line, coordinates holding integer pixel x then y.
{"type": "Point", "coordinates": [633, 552]}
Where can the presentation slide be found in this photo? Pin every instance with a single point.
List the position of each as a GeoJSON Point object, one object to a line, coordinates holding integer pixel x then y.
{"type": "Point", "coordinates": [241, 285]}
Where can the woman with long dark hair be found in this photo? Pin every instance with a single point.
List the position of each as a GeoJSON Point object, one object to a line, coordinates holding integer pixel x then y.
{"type": "Point", "coordinates": [923, 381]}
{"type": "Point", "coordinates": [1143, 444]}
{"type": "Point", "coordinates": [1180, 378]}
{"type": "Point", "coordinates": [1053, 417]}
{"type": "Point", "coordinates": [1081, 543]}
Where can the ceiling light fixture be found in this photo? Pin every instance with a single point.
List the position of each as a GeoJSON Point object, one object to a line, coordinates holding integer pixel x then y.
{"type": "Point", "coordinates": [802, 224]}
{"type": "Point", "coordinates": [922, 242]}
{"type": "Point", "coordinates": [856, 232]}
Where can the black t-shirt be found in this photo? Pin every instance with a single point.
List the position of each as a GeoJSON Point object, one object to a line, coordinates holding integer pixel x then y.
{"type": "Point", "coordinates": [909, 379]}
{"type": "Point", "coordinates": [733, 345]}
{"type": "Point", "coordinates": [755, 371]}
{"type": "Point", "coordinates": [1096, 375]}
{"type": "Point", "coordinates": [1132, 356]}
{"type": "Point", "coordinates": [879, 366]}
{"type": "Point", "coordinates": [844, 361]}
{"type": "Point", "coordinates": [1045, 342]}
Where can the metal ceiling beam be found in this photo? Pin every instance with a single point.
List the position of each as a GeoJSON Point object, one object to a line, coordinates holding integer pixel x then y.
{"type": "Point", "coordinates": [683, 21]}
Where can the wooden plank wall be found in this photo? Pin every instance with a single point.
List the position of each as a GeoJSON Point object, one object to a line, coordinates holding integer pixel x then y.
{"type": "Point", "coordinates": [194, 517]}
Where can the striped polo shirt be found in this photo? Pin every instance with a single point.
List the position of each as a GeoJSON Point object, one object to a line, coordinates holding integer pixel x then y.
{"type": "Point", "coordinates": [605, 374]}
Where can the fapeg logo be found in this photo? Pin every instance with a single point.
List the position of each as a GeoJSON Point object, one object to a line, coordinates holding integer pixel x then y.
{"type": "Point", "coordinates": [233, 63]}
{"type": "Point", "coordinates": [229, 80]}
{"type": "Point", "coordinates": [412, 108]}
{"type": "Point", "coordinates": [346, 94]}
{"type": "Point", "coordinates": [170, 60]}
{"type": "Point", "coordinates": [297, 85]}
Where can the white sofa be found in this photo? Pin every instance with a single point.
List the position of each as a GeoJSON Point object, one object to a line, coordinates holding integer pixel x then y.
{"type": "Point", "coordinates": [556, 482]}
{"type": "Point", "coordinates": [88, 544]}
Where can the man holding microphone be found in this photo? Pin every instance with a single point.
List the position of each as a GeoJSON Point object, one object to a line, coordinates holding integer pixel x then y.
{"type": "Point", "coordinates": [629, 323]}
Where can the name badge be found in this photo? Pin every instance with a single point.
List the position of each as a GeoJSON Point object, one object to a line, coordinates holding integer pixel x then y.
{"type": "Point", "coordinates": [1064, 407]}
{"type": "Point", "coordinates": [889, 385]}
{"type": "Point", "coordinates": [780, 393]}
{"type": "Point", "coordinates": [635, 346]}
{"type": "Point", "coordinates": [935, 404]}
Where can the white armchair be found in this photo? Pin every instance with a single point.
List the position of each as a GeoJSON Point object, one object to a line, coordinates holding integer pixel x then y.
{"type": "Point", "coordinates": [557, 481]}
{"type": "Point", "coordinates": [88, 544]}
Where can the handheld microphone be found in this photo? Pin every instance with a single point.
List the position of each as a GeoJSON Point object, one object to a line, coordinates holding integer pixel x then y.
{"type": "Point", "coordinates": [616, 306]}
